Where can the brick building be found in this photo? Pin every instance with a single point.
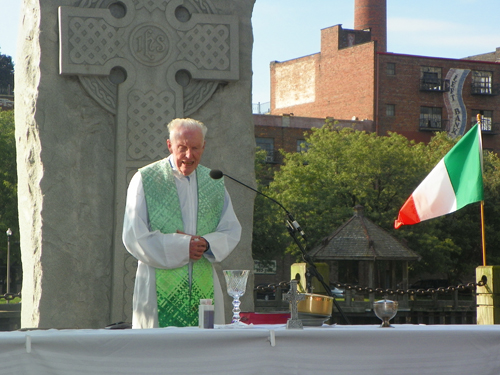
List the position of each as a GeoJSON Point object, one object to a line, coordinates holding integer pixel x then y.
{"type": "Point", "coordinates": [353, 77]}
{"type": "Point", "coordinates": [354, 80]}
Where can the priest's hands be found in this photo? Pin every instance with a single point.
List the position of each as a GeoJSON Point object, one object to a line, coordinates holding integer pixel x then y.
{"type": "Point", "coordinates": [197, 246]}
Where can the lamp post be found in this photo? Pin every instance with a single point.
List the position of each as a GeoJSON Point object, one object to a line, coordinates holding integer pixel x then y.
{"type": "Point", "coordinates": [9, 233]}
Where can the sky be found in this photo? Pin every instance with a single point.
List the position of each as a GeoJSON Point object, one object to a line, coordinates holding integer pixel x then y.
{"type": "Point", "coordinates": [287, 29]}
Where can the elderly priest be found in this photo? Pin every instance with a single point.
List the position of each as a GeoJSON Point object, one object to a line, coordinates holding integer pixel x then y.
{"type": "Point", "coordinates": [178, 221]}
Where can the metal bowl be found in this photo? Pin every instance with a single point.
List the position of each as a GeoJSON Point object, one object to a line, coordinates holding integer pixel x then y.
{"type": "Point", "coordinates": [313, 320]}
{"type": "Point", "coordinates": [316, 304]}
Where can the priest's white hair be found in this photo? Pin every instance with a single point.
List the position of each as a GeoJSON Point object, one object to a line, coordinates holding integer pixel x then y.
{"type": "Point", "coordinates": [185, 123]}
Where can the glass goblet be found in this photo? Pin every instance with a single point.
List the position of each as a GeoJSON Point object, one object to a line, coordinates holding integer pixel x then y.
{"type": "Point", "coordinates": [236, 281]}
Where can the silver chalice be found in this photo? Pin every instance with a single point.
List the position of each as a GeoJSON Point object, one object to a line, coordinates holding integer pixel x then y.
{"type": "Point", "coordinates": [385, 310]}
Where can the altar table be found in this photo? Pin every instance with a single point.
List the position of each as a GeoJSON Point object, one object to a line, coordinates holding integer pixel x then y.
{"type": "Point", "coordinates": [258, 349]}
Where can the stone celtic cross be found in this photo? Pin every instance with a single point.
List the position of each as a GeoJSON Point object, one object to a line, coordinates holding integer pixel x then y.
{"type": "Point", "coordinates": [294, 298]}
{"type": "Point", "coordinates": [145, 62]}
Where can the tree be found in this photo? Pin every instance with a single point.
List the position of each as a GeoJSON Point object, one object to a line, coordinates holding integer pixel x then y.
{"type": "Point", "coordinates": [343, 168]}
{"type": "Point", "coordinates": [268, 241]}
{"type": "Point", "coordinates": [8, 181]}
{"type": "Point", "coordinates": [6, 74]}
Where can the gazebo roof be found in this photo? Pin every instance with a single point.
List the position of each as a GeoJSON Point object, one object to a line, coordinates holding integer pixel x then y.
{"type": "Point", "coordinates": [360, 239]}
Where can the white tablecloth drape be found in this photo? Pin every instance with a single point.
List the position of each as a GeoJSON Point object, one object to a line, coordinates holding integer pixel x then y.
{"type": "Point", "coordinates": [260, 349]}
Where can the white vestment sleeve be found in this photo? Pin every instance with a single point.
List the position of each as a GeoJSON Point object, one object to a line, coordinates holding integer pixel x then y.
{"type": "Point", "coordinates": [146, 246]}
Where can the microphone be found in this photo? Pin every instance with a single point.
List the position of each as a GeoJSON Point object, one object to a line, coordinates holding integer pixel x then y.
{"type": "Point", "coordinates": [292, 223]}
{"type": "Point", "coordinates": [216, 174]}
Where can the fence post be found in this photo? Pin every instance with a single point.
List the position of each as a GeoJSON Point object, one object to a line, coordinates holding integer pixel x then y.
{"type": "Point", "coordinates": [488, 296]}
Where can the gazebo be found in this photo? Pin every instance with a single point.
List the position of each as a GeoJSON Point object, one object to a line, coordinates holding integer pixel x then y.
{"type": "Point", "coordinates": [365, 254]}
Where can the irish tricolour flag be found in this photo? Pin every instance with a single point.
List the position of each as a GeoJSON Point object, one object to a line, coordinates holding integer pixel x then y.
{"type": "Point", "coordinates": [455, 181]}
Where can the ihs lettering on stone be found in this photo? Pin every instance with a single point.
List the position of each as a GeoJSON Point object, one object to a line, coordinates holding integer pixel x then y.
{"type": "Point", "coordinates": [149, 44]}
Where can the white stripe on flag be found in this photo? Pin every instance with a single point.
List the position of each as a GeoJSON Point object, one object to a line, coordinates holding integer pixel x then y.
{"type": "Point", "coordinates": [435, 195]}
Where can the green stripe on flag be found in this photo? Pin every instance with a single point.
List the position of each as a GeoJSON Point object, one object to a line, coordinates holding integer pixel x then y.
{"type": "Point", "coordinates": [464, 165]}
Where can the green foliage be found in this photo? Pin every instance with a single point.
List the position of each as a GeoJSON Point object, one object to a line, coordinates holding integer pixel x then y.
{"type": "Point", "coordinates": [6, 73]}
{"type": "Point", "coordinates": [266, 244]}
{"type": "Point", "coordinates": [491, 208]}
{"type": "Point", "coordinates": [8, 182]}
{"type": "Point", "coordinates": [13, 301]}
{"type": "Point", "coordinates": [343, 168]}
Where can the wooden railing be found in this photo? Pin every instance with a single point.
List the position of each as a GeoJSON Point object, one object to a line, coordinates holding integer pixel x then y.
{"type": "Point", "coordinates": [457, 307]}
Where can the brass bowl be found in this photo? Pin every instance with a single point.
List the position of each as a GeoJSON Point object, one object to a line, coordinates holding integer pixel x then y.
{"type": "Point", "coordinates": [316, 304]}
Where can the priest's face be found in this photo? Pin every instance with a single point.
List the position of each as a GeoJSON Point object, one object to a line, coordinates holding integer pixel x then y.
{"type": "Point", "coordinates": [186, 147]}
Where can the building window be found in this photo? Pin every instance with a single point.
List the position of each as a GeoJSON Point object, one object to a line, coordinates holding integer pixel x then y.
{"type": "Point", "coordinates": [302, 145]}
{"type": "Point", "coordinates": [430, 118]}
{"type": "Point", "coordinates": [486, 119]}
{"type": "Point", "coordinates": [266, 144]}
{"type": "Point", "coordinates": [482, 82]}
{"type": "Point", "coordinates": [431, 79]}
{"type": "Point", "coordinates": [391, 69]}
{"type": "Point", "coordinates": [390, 110]}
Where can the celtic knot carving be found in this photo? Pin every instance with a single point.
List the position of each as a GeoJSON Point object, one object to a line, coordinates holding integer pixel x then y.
{"type": "Point", "coordinates": [93, 41]}
{"type": "Point", "coordinates": [102, 90]}
{"type": "Point", "coordinates": [206, 46]}
{"type": "Point", "coordinates": [148, 115]}
{"type": "Point", "coordinates": [196, 94]}
{"type": "Point", "coordinates": [151, 5]}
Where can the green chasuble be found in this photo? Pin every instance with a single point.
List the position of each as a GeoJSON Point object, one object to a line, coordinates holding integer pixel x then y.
{"type": "Point", "coordinates": [178, 296]}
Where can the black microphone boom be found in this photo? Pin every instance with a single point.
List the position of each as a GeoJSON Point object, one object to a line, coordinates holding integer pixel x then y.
{"type": "Point", "coordinates": [293, 227]}
{"type": "Point", "coordinates": [217, 174]}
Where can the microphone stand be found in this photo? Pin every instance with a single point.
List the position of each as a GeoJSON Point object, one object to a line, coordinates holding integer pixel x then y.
{"type": "Point", "coordinates": [293, 227]}
{"type": "Point", "coordinates": [312, 270]}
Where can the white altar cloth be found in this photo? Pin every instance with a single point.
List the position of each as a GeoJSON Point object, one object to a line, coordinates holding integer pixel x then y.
{"type": "Point", "coordinates": [259, 349]}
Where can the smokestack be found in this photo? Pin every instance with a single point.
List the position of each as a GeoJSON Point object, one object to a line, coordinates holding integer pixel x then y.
{"type": "Point", "coordinates": [372, 14]}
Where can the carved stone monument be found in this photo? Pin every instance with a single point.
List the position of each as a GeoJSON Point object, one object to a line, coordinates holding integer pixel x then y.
{"type": "Point", "coordinates": [96, 83]}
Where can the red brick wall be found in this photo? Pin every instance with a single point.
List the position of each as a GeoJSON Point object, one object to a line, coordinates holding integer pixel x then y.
{"type": "Point", "coordinates": [344, 80]}
{"type": "Point", "coordinates": [346, 83]}
{"type": "Point", "coordinates": [291, 86]}
{"type": "Point", "coordinates": [287, 130]}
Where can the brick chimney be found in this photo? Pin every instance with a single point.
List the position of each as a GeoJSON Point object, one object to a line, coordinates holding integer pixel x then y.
{"type": "Point", "coordinates": [372, 14]}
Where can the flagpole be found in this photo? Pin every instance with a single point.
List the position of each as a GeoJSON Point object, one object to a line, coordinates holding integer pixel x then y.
{"type": "Point", "coordinates": [482, 233]}
{"type": "Point", "coordinates": [482, 206]}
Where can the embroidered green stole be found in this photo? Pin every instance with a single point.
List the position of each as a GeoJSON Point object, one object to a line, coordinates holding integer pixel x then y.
{"type": "Point", "coordinates": [178, 296]}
